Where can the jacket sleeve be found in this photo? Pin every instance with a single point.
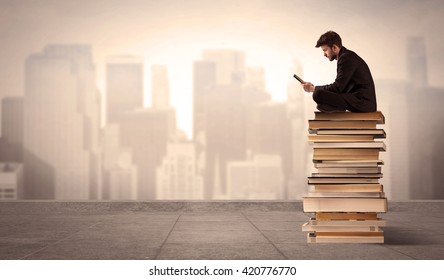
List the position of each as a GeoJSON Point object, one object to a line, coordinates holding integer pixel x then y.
{"type": "Point", "coordinates": [345, 69]}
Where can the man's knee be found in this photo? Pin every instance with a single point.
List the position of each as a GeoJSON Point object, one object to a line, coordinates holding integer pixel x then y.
{"type": "Point", "coordinates": [318, 95]}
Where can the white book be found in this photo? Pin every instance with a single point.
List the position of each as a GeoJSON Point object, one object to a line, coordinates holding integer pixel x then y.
{"type": "Point", "coordinates": [361, 145]}
{"type": "Point", "coordinates": [345, 194]}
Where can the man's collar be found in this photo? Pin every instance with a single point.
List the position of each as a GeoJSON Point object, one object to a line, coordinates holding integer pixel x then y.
{"type": "Point", "coordinates": [341, 51]}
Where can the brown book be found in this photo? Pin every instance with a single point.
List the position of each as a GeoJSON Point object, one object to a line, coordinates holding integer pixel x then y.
{"type": "Point", "coordinates": [346, 116]}
{"type": "Point", "coordinates": [346, 194]}
{"type": "Point", "coordinates": [377, 222]}
{"type": "Point", "coordinates": [340, 138]}
{"type": "Point", "coordinates": [339, 204]}
{"type": "Point", "coordinates": [316, 124]}
{"type": "Point", "coordinates": [341, 151]}
{"type": "Point", "coordinates": [342, 180]}
{"type": "Point", "coordinates": [347, 163]}
{"type": "Point", "coordinates": [376, 133]}
{"type": "Point", "coordinates": [314, 238]}
{"type": "Point", "coordinates": [356, 229]}
{"type": "Point", "coordinates": [343, 175]}
{"type": "Point", "coordinates": [363, 233]}
{"type": "Point", "coordinates": [327, 216]}
{"type": "Point", "coordinates": [362, 188]}
{"type": "Point", "coordinates": [345, 154]}
{"type": "Point", "coordinates": [350, 170]}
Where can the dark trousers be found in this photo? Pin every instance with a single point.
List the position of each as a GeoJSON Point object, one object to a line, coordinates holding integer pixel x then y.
{"type": "Point", "coordinates": [339, 101]}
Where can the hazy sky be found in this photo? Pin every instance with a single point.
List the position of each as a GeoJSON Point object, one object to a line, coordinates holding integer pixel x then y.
{"type": "Point", "coordinates": [174, 32]}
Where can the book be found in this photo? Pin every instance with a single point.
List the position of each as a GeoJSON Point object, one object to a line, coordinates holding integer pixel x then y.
{"type": "Point", "coordinates": [339, 204]}
{"type": "Point", "coordinates": [377, 133]}
{"type": "Point", "coordinates": [347, 145]}
{"type": "Point", "coordinates": [340, 228]}
{"type": "Point", "coordinates": [338, 238]}
{"type": "Point", "coordinates": [344, 233]}
{"type": "Point", "coordinates": [346, 188]}
{"type": "Point", "coordinates": [329, 216]}
{"type": "Point", "coordinates": [346, 116]}
{"type": "Point", "coordinates": [345, 154]}
{"type": "Point", "coordinates": [349, 170]}
{"type": "Point", "coordinates": [377, 222]}
{"type": "Point", "coordinates": [318, 124]}
{"type": "Point", "coordinates": [345, 194]}
{"type": "Point", "coordinates": [340, 138]}
{"type": "Point", "coordinates": [347, 163]}
{"type": "Point", "coordinates": [342, 180]}
{"type": "Point", "coordinates": [342, 175]}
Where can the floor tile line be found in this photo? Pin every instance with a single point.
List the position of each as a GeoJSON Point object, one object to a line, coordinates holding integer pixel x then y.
{"type": "Point", "coordinates": [272, 244]}
{"type": "Point", "coordinates": [60, 240]}
{"type": "Point", "coordinates": [166, 238]}
{"type": "Point", "coordinates": [402, 253]}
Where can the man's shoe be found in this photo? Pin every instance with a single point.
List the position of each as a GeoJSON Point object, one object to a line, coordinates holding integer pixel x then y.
{"type": "Point", "coordinates": [324, 108]}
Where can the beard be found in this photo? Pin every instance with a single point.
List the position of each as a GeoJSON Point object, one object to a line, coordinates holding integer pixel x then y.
{"type": "Point", "coordinates": [333, 57]}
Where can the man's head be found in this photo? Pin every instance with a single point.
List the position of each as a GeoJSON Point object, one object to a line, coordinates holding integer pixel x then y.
{"type": "Point", "coordinates": [330, 43]}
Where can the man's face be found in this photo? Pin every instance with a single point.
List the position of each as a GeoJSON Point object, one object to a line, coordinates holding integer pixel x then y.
{"type": "Point", "coordinates": [328, 52]}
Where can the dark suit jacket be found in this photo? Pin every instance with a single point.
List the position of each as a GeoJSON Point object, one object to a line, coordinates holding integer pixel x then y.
{"type": "Point", "coordinates": [355, 81]}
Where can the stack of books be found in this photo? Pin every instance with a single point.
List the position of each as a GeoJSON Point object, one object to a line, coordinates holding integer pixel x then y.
{"type": "Point", "coordinates": [345, 193]}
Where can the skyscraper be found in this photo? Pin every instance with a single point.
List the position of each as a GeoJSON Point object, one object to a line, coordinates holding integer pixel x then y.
{"type": "Point", "coordinates": [11, 145]}
{"type": "Point", "coordinates": [11, 181]}
{"type": "Point", "coordinates": [146, 133]}
{"type": "Point", "coordinates": [204, 76]}
{"type": "Point", "coordinates": [160, 87]}
{"type": "Point", "coordinates": [119, 170]}
{"type": "Point", "coordinates": [417, 62]}
{"type": "Point", "coordinates": [12, 119]}
{"type": "Point", "coordinates": [124, 86]}
{"type": "Point", "coordinates": [300, 107]}
{"type": "Point", "coordinates": [268, 131]}
{"type": "Point", "coordinates": [256, 77]}
{"type": "Point", "coordinates": [259, 177]}
{"type": "Point", "coordinates": [225, 122]}
{"type": "Point", "coordinates": [178, 175]}
{"type": "Point", "coordinates": [230, 65]}
{"type": "Point", "coordinates": [61, 124]}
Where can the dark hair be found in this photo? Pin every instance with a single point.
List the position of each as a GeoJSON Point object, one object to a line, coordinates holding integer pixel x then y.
{"type": "Point", "coordinates": [329, 38]}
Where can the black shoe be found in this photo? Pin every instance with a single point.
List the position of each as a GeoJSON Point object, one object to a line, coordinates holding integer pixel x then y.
{"type": "Point", "coordinates": [324, 108]}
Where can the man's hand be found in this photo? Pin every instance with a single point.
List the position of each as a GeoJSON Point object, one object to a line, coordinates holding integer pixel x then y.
{"type": "Point", "coordinates": [308, 87]}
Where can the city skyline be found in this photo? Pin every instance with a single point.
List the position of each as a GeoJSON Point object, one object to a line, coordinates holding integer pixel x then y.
{"type": "Point", "coordinates": [232, 107]}
{"type": "Point", "coordinates": [272, 34]}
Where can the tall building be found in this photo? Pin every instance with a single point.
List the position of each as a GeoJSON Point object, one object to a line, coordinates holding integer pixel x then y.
{"type": "Point", "coordinates": [61, 124]}
{"type": "Point", "coordinates": [268, 131]}
{"type": "Point", "coordinates": [260, 177]}
{"type": "Point", "coordinates": [119, 170]}
{"type": "Point", "coordinates": [12, 119]}
{"type": "Point", "coordinates": [255, 77]}
{"type": "Point", "coordinates": [146, 132]}
{"type": "Point", "coordinates": [414, 130]}
{"type": "Point", "coordinates": [11, 181]}
{"type": "Point", "coordinates": [230, 65]}
{"type": "Point", "coordinates": [204, 77]}
{"type": "Point", "coordinates": [178, 175]}
{"type": "Point", "coordinates": [160, 87]}
{"type": "Point", "coordinates": [225, 122]}
{"type": "Point", "coordinates": [393, 98]}
{"type": "Point", "coordinates": [300, 107]}
{"type": "Point", "coordinates": [12, 129]}
{"type": "Point", "coordinates": [124, 86]}
{"type": "Point", "coordinates": [417, 62]}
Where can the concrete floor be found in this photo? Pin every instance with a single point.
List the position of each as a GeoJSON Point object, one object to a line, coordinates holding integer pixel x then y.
{"type": "Point", "coordinates": [202, 230]}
